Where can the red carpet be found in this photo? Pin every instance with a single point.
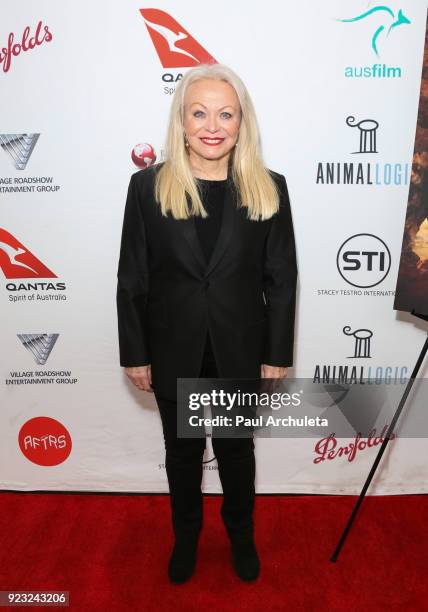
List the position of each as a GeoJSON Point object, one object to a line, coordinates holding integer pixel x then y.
{"type": "Point", "coordinates": [111, 553]}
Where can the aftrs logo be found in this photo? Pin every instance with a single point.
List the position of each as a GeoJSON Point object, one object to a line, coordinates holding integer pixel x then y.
{"type": "Point", "coordinates": [44, 441]}
{"type": "Point", "coordinates": [17, 261]}
{"type": "Point", "coordinates": [175, 47]}
{"type": "Point", "coordinates": [27, 42]}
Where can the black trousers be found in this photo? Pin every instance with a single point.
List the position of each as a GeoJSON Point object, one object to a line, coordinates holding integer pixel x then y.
{"type": "Point", "coordinates": [183, 462]}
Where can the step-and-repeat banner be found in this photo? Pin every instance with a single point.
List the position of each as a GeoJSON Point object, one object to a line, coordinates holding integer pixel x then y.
{"type": "Point", "coordinates": [85, 94]}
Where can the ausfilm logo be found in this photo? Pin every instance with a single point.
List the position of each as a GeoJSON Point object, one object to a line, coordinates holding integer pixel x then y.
{"type": "Point", "coordinates": [18, 262]}
{"type": "Point", "coordinates": [17, 44]}
{"type": "Point", "coordinates": [357, 368]}
{"type": "Point", "coordinates": [18, 149]}
{"type": "Point", "coordinates": [175, 46]}
{"type": "Point", "coordinates": [381, 26]}
{"type": "Point", "coordinates": [45, 441]}
{"type": "Point", "coordinates": [39, 348]}
{"type": "Point", "coordinates": [364, 139]}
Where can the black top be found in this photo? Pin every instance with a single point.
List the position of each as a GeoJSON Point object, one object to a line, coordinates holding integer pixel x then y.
{"type": "Point", "coordinates": [212, 195]}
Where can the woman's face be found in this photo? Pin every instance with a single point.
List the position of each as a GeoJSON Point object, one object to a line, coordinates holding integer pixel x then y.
{"type": "Point", "coordinates": [212, 116]}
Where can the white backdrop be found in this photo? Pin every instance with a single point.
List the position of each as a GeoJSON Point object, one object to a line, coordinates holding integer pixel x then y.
{"type": "Point", "coordinates": [93, 92]}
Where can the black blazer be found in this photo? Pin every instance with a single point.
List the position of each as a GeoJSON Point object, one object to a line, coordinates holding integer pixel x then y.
{"type": "Point", "coordinates": [168, 297]}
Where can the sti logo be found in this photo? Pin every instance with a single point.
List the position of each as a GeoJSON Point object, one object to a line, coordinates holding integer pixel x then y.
{"type": "Point", "coordinates": [389, 18]}
{"type": "Point", "coordinates": [174, 45]}
{"type": "Point", "coordinates": [17, 261]}
{"type": "Point", "coordinates": [363, 260]}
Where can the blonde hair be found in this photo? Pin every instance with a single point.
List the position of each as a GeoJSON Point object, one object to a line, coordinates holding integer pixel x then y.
{"type": "Point", "coordinates": [257, 191]}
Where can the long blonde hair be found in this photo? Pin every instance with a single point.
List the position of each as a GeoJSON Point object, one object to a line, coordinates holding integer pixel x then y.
{"type": "Point", "coordinates": [256, 188]}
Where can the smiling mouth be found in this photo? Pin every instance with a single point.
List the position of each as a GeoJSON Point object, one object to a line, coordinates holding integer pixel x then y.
{"type": "Point", "coordinates": [212, 141]}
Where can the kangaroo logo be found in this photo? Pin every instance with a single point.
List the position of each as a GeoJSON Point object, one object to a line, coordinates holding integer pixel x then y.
{"type": "Point", "coordinates": [367, 129]}
{"type": "Point", "coordinates": [17, 261]}
{"type": "Point", "coordinates": [362, 342]}
{"type": "Point", "coordinates": [174, 45]}
{"type": "Point", "coordinates": [388, 14]}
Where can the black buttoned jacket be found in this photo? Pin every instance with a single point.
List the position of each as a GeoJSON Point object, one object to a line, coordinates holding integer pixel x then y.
{"type": "Point", "coordinates": [168, 297]}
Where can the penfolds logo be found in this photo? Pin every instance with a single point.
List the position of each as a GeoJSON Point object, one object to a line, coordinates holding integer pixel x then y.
{"type": "Point", "coordinates": [27, 42]}
{"type": "Point", "coordinates": [327, 448]}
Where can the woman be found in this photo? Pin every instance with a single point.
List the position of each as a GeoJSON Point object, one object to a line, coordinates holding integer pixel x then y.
{"type": "Point", "coordinates": [206, 287]}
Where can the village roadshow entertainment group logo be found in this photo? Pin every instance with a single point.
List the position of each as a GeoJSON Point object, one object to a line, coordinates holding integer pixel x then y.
{"type": "Point", "coordinates": [40, 346]}
{"type": "Point", "coordinates": [18, 149]}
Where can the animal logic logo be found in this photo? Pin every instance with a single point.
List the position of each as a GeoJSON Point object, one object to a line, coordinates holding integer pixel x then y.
{"type": "Point", "coordinates": [358, 367]}
{"type": "Point", "coordinates": [365, 167]}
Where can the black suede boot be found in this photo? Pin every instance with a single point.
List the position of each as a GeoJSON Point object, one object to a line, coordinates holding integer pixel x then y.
{"type": "Point", "coordinates": [245, 558]}
{"type": "Point", "coordinates": [183, 559]}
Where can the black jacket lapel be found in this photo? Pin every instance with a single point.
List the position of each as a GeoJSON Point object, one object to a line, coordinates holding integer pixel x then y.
{"type": "Point", "coordinates": [226, 229]}
{"type": "Point", "coordinates": [188, 227]}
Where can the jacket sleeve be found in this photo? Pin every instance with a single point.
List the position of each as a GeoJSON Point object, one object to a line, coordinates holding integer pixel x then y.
{"type": "Point", "coordinates": [132, 284]}
{"type": "Point", "coordinates": [279, 284]}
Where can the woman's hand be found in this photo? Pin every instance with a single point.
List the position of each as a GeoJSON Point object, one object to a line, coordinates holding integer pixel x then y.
{"type": "Point", "coordinates": [268, 371]}
{"type": "Point", "coordinates": [274, 372]}
{"type": "Point", "coordinates": [141, 377]}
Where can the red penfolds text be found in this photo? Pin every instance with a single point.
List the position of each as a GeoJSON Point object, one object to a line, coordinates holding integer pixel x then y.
{"type": "Point", "coordinates": [327, 448]}
{"type": "Point", "coordinates": [15, 46]}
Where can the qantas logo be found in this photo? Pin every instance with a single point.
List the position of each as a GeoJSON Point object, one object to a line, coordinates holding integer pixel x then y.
{"type": "Point", "coordinates": [175, 47]}
{"type": "Point", "coordinates": [17, 261]}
